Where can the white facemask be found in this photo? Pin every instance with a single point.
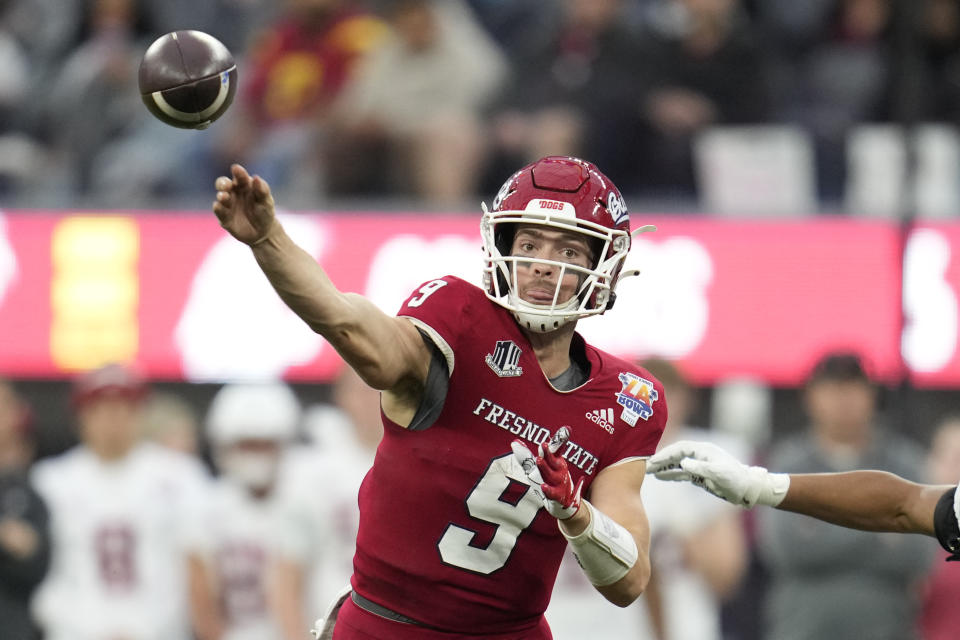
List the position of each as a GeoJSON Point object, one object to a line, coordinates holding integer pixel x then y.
{"type": "Point", "coordinates": [249, 469]}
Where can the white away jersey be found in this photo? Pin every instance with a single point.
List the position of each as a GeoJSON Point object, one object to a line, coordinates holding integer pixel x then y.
{"type": "Point", "coordinates": [239, 530]}
{"type": "Point", "coordinates": [319, 516]}
{"type": "Point", "coordinates": [120, 532]}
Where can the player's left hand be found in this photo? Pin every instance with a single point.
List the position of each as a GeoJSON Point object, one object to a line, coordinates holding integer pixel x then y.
{"type": "Point", "coordinates": [550, 475]}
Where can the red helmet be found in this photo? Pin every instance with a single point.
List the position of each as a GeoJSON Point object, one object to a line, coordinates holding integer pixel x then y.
{"type": "Point", "coordinates": [562, 193]}
{"type": "Point", "coordinates": [108, 380]}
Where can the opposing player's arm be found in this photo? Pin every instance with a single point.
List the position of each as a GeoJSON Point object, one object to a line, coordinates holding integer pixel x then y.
{"type": "Point", "coordinates": [387, 352]}
{"type": "Point", "coordinates": [869, 500]}
{"type": "Point", "coordinates": [616, 495]}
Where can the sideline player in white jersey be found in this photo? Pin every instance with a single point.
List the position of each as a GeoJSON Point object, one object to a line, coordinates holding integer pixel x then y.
{"type": "Point", "coordinates": [315, 545]}
{"type": "Point", "coordinates": [249, 427]}
{"type": "Point", "coordinates": [121, 515]}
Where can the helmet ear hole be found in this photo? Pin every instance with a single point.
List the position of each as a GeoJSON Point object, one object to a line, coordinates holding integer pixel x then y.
{"type": "Point", "coordinates": [502, 282]}
{"type": "Point", "coordinates": [503, 237]}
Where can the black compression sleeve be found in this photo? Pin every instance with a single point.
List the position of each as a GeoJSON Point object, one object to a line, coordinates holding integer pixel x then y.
{"type": "Point", "coordinates": [435, 388]}
{"type": "Point", "coordinates": [945, 525]}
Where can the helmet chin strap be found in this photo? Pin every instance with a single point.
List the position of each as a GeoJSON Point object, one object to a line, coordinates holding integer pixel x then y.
{"type": "Point", "coordinates": [540, 319]}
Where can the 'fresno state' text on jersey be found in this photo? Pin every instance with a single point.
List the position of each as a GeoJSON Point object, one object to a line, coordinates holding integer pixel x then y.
{"type": "Point", "coordinates": [450, 533]}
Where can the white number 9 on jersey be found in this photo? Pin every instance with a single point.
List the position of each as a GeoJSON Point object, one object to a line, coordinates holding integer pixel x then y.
{"type": "Point", "coordinates": [484, 503]}
{"type": "Point", "coordinates": [425, 292]}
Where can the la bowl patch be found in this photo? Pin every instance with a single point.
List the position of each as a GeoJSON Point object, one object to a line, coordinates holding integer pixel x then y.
{"type": "Point", "coordinates": [636, 397]}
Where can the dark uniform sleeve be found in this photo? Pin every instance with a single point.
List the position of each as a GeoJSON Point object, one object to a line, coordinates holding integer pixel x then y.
{"type": "Point", "coordinates": [18, 500]}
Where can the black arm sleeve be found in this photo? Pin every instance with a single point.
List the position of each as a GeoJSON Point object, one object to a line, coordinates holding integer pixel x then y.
{"type": "Point", "coordinates": [26, 573]}
{"type": "Point", "coordinates": [946, 526]}
{"type": "Point", "coordinates": [435, 388]}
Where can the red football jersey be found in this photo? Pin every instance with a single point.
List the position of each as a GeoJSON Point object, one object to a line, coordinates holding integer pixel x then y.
{"type": "Point", "coordinates": [450, 533]}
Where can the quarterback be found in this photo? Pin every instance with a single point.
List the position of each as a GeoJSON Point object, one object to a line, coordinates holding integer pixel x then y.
{"type": "Point", "coordinates": [506, 436]}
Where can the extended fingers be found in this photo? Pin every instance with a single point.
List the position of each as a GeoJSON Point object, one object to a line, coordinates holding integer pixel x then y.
{"type": "Point", "coordinates": [670, 456]}
{"type": "Point", "coordinates": [240, 175]}
{"type": "Point", "coordinates": [224, 198]}
{"type": "Point", "coordinates": [260, 188]}
{"type": "Point", "coordinates": [673, 475]}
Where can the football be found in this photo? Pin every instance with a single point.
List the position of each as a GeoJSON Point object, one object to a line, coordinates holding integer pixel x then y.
{"type": "Point", "coordinates": [187, 79]}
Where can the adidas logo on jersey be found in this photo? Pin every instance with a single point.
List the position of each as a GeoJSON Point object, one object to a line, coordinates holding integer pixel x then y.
{"type": "Point", "coordinates": [602, 417]}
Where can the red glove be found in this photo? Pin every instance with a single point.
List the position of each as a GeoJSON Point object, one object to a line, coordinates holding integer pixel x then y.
{"type": "Point", "coordinates": [549, 473]}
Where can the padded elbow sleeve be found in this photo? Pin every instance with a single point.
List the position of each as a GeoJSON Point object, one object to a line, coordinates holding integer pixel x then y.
{"type": "Point", "coordinates": [945, 523]}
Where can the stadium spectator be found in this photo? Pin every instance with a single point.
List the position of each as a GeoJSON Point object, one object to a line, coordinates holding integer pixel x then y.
{"type": "Point", "coordinates": [235, 23]}
{"type": "Point", "coordinates": [123, 514]}
{"type": "Point", "coordinates": [24, 521]}
{"type": "Point", "coordinates": [575, 93]}
{"type": "Point", "coordinates": [940, 39]}
{"type": "Point", "coordinates": [410, 121]}
{"type": "Point", "coordinates": [702, 65]}
{"type": "Point", "coordinates": [250, 427]}
{"type": "Point", "coordinates": [20, 153]}
{"type": "Point", "coordinates": [94, 98]}
{"type": "Point", "coordinates": [829, 582]}
{"type": "Point", "coordinates": [314, 546]}
{"type": "Point", "coordinates": [47, 30]}
{"type": "Point", "coordinates": [845, 77]}
{"type": "Point", "coordinates": [462, 527]}
{"type": "Point", "coordinates": [294, 71]}
{"type": "Point", "coordinates": [939, 614]}
{"type": "Point", "coordinates": [518, 26]}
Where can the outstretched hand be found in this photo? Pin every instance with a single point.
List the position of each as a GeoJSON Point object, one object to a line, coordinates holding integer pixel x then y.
{"type": "Point", "coordinates": [710, 467]}
{"type": "Point", "coordinates": [244, 206]}
{"type": "Point", "coordinates": [549, 473]}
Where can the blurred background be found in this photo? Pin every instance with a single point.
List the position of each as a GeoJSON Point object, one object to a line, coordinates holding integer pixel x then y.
{"type": "Point", "coordinates": [801, 161]}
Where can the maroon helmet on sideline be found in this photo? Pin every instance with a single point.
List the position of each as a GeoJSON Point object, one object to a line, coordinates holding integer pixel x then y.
{"type": "Point", "coordinates": [114, 379]}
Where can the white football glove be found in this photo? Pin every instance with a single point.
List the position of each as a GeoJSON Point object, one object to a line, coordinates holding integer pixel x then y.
{"type": "Point", "coordinates": [707, 465]}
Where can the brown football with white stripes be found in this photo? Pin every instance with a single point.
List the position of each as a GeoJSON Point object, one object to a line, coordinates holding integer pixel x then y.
{"type": "Point", "coordinates": [187, 79]}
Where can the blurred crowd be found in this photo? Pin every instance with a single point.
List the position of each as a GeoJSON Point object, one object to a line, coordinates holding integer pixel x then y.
{"type": "Point", "coordinates": [435, 102]}
{"type": "Point", "coordinates": [237, 520]}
